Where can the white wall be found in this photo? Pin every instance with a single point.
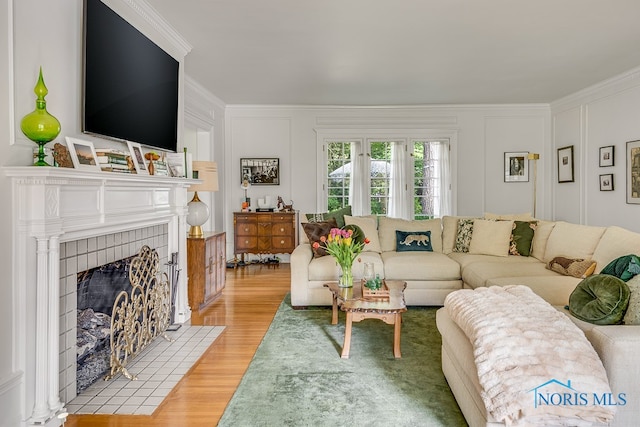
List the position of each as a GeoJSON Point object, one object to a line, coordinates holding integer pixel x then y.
{"type": "Point", "coordinates": [485, 132]}
{"type": "Point", "coordinates": [602, 115]}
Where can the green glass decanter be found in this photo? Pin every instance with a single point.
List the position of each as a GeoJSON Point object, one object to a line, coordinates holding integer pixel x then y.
{"type": "Point", "coordinates": [40, 126]}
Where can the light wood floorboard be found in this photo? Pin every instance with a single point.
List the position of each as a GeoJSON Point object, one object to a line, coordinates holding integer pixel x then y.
{"type": "Point", "coordinates": [248, 303]}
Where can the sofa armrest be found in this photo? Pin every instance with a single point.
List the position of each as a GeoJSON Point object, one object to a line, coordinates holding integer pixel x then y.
{"type": "Point", "coordinates": [299, 262]}
{"type": "Point", "coordinates": [618, 347]}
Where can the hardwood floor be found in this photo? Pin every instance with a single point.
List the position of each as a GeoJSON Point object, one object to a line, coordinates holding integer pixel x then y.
{"type": "Point", "coordinates": [247, 306]}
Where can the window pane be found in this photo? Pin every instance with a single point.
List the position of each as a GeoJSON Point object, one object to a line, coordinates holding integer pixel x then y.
{"type": "Point", "coordinates": [338, 174]}
{"type": "Point", "coordinates": [425, 181]}
{"type": "Point", "coordinates": [380, 164]}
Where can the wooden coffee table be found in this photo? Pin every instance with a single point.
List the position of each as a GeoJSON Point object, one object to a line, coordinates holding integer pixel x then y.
{"type": "Point", "coordinates": [388, 310]}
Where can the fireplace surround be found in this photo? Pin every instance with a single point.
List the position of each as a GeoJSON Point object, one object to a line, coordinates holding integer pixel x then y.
{"type": "Point", "coordinates": [54, 211]}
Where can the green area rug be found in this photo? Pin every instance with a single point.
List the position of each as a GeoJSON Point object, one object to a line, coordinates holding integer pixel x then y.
{"type": "Point", "coordinates": [297, 377]}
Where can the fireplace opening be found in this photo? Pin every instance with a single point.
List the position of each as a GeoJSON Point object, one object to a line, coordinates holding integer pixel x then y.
{"type": "Point", "coordinates": [96, 292]}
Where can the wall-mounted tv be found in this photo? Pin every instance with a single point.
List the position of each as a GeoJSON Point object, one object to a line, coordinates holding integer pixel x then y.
{"type": "Point", "coordinates": [130, 84]}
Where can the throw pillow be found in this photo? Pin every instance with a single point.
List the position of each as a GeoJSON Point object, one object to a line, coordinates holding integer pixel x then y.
{"type": "Point", "coordinates": [413, 241]}
{"type": "Point", "coordinates": [522, 237]}
{"type": "Point", "coordinates": [490, 237]}
{"type": "Point", "coordinates": [624, 267]}
{"type": "Point", "coordinates": [358, 235]}
{"type": "Point", "coordinates": [315, 231]}
{"type": "Point", "coordinates": [368, 226]}
{"type": "Point", "coordinates": [576, 267]}
{"type": "Point", "coordinates": [600, 299]}
{"type": "Point", "coordinates": [632, 316]}
{"type": "Point", "coordinates": [463, 238]}
{"type": "Point", "coordinates": [338, 215]}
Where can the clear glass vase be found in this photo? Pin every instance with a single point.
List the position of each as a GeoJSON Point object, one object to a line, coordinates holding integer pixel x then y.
{"type": "Point", "coordinates": [346, 277]}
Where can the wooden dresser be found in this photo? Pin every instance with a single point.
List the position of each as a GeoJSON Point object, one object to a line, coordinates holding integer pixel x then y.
{"type": "Point", "coordinates": [264, 232]}
{"type": "Point", "coordinates": [206, 268]}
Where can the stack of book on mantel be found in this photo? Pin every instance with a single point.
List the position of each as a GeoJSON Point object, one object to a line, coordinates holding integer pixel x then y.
{"type": "Point", "coordinates": [113, 160]}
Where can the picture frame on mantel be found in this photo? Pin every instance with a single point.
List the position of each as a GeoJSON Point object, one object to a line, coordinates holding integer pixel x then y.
{"type": "Point", "coordinates": [83, 154]}
{"type": "Point", "coordinates": [260, 171]}
{"type": "Point", "coordinates": [633, 172]}
{"type": "Point", "coordinates": [607, 156]}
{"type": "Point", "coordinates": [138, 158]}
{"type": "Point", "coordinates": [516, 166]}
{"type": "Point", "coordinates": [565, 164]}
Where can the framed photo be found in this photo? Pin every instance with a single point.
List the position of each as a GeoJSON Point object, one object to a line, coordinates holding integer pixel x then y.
{"type": "Point", "coordinates": [260, 171]}
{"type": "Point", "coordinates": [565, 164]}
{"type": "Point", "coordinates": [83, 154]}
{"type": "Point", "coordinates": [606, 156]}
{"type": "Point", "coordinates": [633, 172]}
{"type": "Point", "coordinates": [516, 166]}
{"type": "Point", "coordinates": [606, 182]}
{"type": "Point", "coordinates": [138, 158]}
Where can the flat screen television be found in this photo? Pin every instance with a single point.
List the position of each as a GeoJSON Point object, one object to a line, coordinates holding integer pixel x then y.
{"type": "Point", "coordinates": [130, 88]}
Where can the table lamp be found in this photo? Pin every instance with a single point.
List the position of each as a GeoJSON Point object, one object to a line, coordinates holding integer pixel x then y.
{"type": "Point", "coordinates": [198, 211]}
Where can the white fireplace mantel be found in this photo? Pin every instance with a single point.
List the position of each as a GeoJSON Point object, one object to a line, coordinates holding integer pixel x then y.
{"type": "Point", "coordinates": [53, 205]}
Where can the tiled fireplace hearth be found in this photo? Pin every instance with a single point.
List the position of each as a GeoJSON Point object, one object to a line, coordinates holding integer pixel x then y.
{"type": "Point", "coordinates": [67, 221]}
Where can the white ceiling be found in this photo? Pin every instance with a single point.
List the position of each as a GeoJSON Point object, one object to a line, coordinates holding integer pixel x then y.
{"type": "Point", "coordinates": [403, 52]}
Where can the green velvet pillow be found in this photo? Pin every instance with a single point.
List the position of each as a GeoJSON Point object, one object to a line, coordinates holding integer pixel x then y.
{"type": "Point", "coordinates": [413, 241]}
{"type": "Point", "coordinates": [600, 299]}
{"type": "Point", "coordinates": [624, 267]}
{"type": "Point", "coordinates": [338, 215]}
{"type": "Point", "coordinates": [521, 237]}
{"type": "Point", "coordinates": [358, 235]}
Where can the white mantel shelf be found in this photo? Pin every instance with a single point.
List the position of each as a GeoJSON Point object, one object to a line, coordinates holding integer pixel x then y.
{"type": "Point", "coordinates": [51, 205]}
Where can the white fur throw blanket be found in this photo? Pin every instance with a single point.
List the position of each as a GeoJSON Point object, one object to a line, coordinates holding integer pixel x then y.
{"type": "Point", "coordinates": [535, 366]}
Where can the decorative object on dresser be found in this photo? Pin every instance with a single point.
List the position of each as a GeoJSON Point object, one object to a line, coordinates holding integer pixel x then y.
{"type": "Point", "coordinates": [206, 264]}
{"type": "Point", "coordinates": [199, 211]}
{"type": "Point", "coordinates": [40, 126]}
{"type": "Point", "coordinates": [264, 233]}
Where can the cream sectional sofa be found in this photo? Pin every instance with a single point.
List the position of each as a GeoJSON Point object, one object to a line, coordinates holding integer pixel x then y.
{"type": "Point", "coordinates": [430, 276]}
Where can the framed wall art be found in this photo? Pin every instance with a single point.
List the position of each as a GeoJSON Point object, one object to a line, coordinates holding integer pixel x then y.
{"type": "Point", "coordinates": [83, 154]}
{"type": "Point", "coordinates": [606, 156]}
{"type": "Point", "coordinates": [565, 164]}
{"type": "Point", "coordinates": [260, 171]}
{"type": "Point", "coordinates": [633, 172]}
{"type": "Point", "coordinates": [606, 182]}
{"type": "Point", "coordinates": [516, 166]}
{"type": "Point", "coordinates": [137, 157]}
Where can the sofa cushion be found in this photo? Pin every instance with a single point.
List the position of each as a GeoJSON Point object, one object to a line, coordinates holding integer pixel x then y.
{"type": "Point", "coordinates": [572, 241]}
{"type": "Point", "coordinates": [554, 290]}
{"type": "Point", "coordinates": [576, 267]}
{"type": "Point", "coordinates": [615, 242]}
{"type": "Point", "coordinates": [522, 237]}
{"type": "Point", "coordinates": [624, 267]}
{"type": "Point", "coordinates": [315, 231]}
{"type": "Point", "coordinates": [419, 266]}
{"type": "Point", "coordinates": [370, 229]}
{"type": "Point", "coordinates": [632, 315]}
{"type": "Point", "coordinates": [463, 235]}
{"type": "Point", "coordinates": [464, 259]}
{"type": "Point", "coordinates": [338, 215]}
{"type": "Point", "coordinates": [413, 241]}
{"type": "Point", "coordinates": [540, 238]}
{"type": "Point", "coordinates": [491, 237]}
{"type": "Point", "coordinates": [477, 273]}
{"type": "Point", "coordinates": [388, 226]}
{"type": "Point", "coordinates": [600, 299]}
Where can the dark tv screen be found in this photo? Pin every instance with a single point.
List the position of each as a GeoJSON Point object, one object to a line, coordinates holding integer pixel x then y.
{"type": "Point", "coordinates": [130, 84]}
